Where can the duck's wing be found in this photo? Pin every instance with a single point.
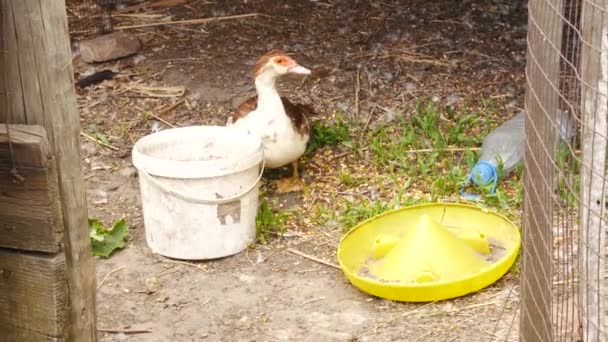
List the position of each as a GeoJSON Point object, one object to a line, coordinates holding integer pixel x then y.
{"type": "Point", "coordinates": [298, 113]}
{"type": "Point", "coordinates": [244, 109]}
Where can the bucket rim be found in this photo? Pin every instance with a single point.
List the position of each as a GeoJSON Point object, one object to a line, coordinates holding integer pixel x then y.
{"type": "Point", "coordinates": [215, 167]}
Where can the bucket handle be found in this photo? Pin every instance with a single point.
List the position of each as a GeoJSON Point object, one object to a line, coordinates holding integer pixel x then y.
{"type": "Point", "coordinates": [202, 200]}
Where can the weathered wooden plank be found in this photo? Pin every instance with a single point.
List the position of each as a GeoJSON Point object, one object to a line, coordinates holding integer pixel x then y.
{"type": "Point", "coordinates": [30, 145]}
{"type": "Point", "coordinates": [53, 67]}
{"type": "Point", "coordinates": [2, 66]}
{"type": "Point", "coordinates": [30, 212]}
{"type": "Point", "coordinates": [594, 104]}
{"type": "Point", "coordinates": [33, 296]}
{"type": "Point", "coordinates": [29, 15]}
{"type": "Point", "coordinates": [15, 96]}
{"type": "Point", "coordinates": [15, 334]}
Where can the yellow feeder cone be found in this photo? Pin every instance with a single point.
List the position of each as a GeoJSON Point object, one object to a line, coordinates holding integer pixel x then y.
{"type": "Point", "coordinates": [428, 252]}
{"type": "Point", "coordinates": [477, 241]}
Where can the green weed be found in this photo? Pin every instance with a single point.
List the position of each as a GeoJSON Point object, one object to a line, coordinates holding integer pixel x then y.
{"type": "Point", "coordinates": [354, 213]}
{"type": "Point", "coordinates": [348, 179]}
{"type": "Point", "coordinates": [269, 221]}
{"type": "Point", "coordinates": [323, 134]}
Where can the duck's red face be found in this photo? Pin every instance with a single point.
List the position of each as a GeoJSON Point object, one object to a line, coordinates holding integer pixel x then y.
{"type": "Point", "coordinates": [280, 64]}
{"type": "Point", "coordinates": [285, 64]}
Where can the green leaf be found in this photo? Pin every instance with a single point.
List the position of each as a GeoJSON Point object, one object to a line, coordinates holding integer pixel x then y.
{"type": "Point", "coordinates": [96, 229]}
{"type": "Point", "coordinates": [105, 241]}
{"type": "Point", "coordinates": [99, 135]}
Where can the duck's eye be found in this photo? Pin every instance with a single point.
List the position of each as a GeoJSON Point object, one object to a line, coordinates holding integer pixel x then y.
{"type": "Point", "coordinates": [280, 61]}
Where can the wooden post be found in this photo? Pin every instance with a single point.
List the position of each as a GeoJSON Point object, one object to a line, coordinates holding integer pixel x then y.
{"type": "Point", "coordinates": [592, 243]}
{"type": "Point", "coordinates": [38, 77]}
{"type": "Point", "coordinates": [542, 71]}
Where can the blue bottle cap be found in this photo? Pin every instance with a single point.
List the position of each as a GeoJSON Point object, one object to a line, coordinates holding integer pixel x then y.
{"type": "Point", "coordinates": [483, 173]}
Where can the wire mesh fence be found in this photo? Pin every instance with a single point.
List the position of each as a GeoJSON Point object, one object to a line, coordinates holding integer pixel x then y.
{"type": "Point", "coordinates": [563, 286]}
{"type": "Point", "coordinates": [89, 18]}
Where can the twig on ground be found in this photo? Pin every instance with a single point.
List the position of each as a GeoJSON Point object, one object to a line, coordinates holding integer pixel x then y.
{"type": "Point", "coordinates": [264, 258]}
{"type": "Point", "coordinates": [165, 111]}
{"type": "Point", "coordinates": [173, 270]}
{"type": "Point", "coordinates": [186, 263]}
{"type": "Point", "coordinates": [370, 117]}
{"type": "Point", "coordinates": [205, 302]}
{"type": "Point", "coordinates": [151, 4]}
{"type": "Point", "coordinates": [357, 90]}
{"type": "Point", "coordinates": [474, 306]}
{"type": "Point", "coordinates": [313, 258]}
{"type": "Point", "coordinates": [153, 91]}
{"type": "Point", "coordinates": [99, 142]}
{"type": "Point", "coordinates": [171, 107]}
{"type": "Point", "coordinates": [109, 274]}
{"type": "Point", "coordinates": [161, 119]}
{"type": "Point", "coordinates": [421, 338]}
{"type": "Point", "coordinates": [312, 301]}
{"type": "Point", "coordinates": [191, 21]}
{"type": "Point", "coordinates": [343, 154]}
{"type": "Point", "coordinates": [125, 331]}
{"type": "Point", "coordinates": [249, 259]}
{"type": "Point", "coordinates": [451, 149]}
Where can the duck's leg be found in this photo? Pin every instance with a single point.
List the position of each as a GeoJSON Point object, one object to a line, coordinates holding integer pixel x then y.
{"type": "Point", "coordinates": [290, 184]}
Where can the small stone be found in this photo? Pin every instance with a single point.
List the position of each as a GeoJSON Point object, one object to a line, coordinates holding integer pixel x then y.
{"type": "Point", "coordinates": [389, 76]}
{"type": "Point", "coordinates": [512, 104]}
{"type": "Point", "coordinates": [332, 223]}
{"type": "Point", "coordinates": [410, 86]}
{"type": "Point", "coordinates": [344, 107]}
{"type": "Point", "coordinates": [89, 149]}
{"type": "Point", "coordinates": [102, 197]}
{"type": "Point", "coordinates": [97, 164]}
{"type": "Point", "coordinates": [155, 127]}
{"type": "Point", "coordinates": [128, 171]}
{"type": "Point", "coordinates": [452, 99]}
{"type": "Point", "coordinates": [162, 297]}
{"type": "Point", "coordinates": [246, 278]}
{"type": "Point", "coordinates": [112, 187]}
{"type": "Point", "coordinates": [151, 283]}
{"type": "Point", "coordinates": [389, 116]}
{"type": "Point", "coordinates": [110, 46]}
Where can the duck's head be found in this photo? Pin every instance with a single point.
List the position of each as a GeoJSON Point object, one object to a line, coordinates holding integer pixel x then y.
{"type": "Point", "coordinates": [276, 63]}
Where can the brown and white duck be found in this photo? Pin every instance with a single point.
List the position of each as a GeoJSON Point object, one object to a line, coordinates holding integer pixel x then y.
{"type": "Point", "coordinates": [282, 125]}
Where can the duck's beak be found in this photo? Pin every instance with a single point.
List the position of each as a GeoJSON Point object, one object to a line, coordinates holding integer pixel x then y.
{"type": "Point", "coordinates": [298, 69]}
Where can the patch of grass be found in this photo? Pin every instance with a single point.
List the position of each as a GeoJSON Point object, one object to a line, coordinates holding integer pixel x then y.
{"type": "Point", "coordinates": [508, 197]}
{"type": "Point", "coordinates": [323, 134]}
{"type": "Point", "coordinates": [323, 215]}
{"type": "Point", "coordinates": [348, 179]}
{"type": "Point", "coordinates": [99, 135]}
{"type": "Point", "coordinates": [569, 181]}
{"type": "Point", "coordinates": [269, 221]}
{"type": "Point", "coordinates": [433, 147]}
{"type": "Point", "coordinates": [354, 213]}
{"type": "Point", "coordinates": [423, 157]}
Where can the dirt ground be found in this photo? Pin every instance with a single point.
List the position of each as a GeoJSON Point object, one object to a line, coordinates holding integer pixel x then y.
{"type": "Point", "coordinates": [458, 53]}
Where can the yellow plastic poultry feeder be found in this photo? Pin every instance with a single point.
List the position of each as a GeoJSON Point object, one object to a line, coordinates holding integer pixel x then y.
{"type": "Point", "coordinates": [429, 252]}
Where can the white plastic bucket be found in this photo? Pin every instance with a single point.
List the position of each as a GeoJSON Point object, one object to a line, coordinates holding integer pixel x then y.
{"type": "Point", "coordinates": [199, 190]}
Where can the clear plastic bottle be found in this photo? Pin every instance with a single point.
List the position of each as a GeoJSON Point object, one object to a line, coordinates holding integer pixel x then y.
{"type": "Point", "coordinates": [505, 145]}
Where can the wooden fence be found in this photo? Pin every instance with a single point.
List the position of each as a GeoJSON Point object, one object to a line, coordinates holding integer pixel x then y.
{"type": "Point", "coordinates": [47, 279]}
